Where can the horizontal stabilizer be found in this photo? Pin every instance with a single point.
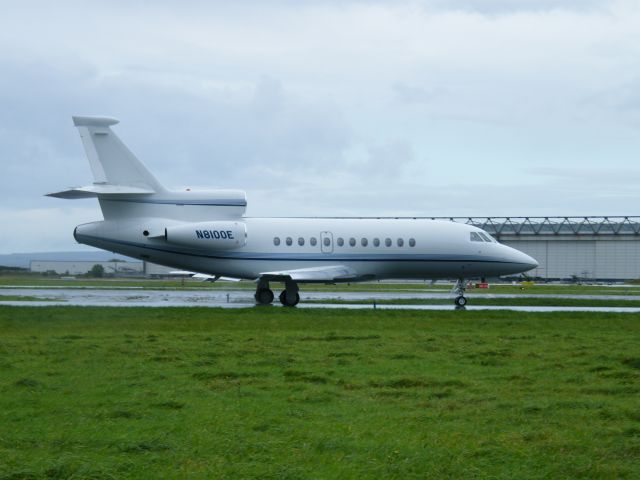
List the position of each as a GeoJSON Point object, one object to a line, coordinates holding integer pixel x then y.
{"type": "Point", "coordinates": [80, 121]}
{"type": "Point", "coordinates": [91, 191]}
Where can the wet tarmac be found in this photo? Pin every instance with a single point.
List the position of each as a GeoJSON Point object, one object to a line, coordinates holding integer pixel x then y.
{"type": "Point", "coordinates": [136, 297]}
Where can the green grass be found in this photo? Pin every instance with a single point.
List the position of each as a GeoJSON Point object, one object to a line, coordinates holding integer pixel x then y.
{"type": "Point", "coordinates": [285, 393]}
{"type": "Point", "coordinates": [20, 298]}
{"type": "Point", "coordinates": [479, 301]}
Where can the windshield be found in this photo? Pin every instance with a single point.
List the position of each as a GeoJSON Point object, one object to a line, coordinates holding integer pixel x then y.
{"type": "Point", "coordinates": [482, 237]}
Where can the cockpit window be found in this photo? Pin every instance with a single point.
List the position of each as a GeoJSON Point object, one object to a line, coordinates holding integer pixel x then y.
{"type": "Point", "coordinates": [475, 237]}
{"type": "Point", "coordinates": [484, 236]}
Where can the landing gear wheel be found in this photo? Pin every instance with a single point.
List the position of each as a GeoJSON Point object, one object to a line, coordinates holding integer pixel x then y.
{"type": "Point", "coordinates": [290, 300]}
{"type": "Point", "coordinates": [460, 301]}
{"type": "Point", "coordinates": [264, 296]}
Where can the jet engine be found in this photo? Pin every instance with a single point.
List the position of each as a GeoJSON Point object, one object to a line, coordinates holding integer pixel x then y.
{"type": "Point", "coordinates": [208, 235]}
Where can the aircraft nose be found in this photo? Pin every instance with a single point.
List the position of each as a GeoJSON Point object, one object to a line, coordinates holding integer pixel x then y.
{"type": "Point", "coordinates": [529, 263]}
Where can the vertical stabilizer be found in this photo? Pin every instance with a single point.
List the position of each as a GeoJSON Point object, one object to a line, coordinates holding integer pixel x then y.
{"type": "Point", "coordinates": [111, 161]}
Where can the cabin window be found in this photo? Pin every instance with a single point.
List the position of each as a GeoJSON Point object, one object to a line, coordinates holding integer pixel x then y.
{"type": "Point", "coordinates": [475, 237]}
{"type": "Point", "coordinates": [412, 242]}
{"type": "Point", "coordinates": [387, 242]}
{"type": "Point", "coordinates": [352, 242]}
{"type": "Point", "coordinates": [313, 241]}
{"type": "Point", "coordinates": [289, 241]}
{"type": "Point", "coordinates": [340, 241]}
{"type": "Point", "coordinates": [376, 242]}
{"type": "Point", "coordinates": [400, 242]}
{"type": "Point", "coordinates": [300, 241]}
{"type": "Point", "coordinates": [364, 242]}
{"type": "Point", "coordinates": [276, 241]}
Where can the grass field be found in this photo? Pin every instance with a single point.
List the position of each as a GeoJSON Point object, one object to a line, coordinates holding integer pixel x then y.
{"type": "Point", "coordinates": [278, 393]}
{"type": "Point", "coordinates": [483, 301]}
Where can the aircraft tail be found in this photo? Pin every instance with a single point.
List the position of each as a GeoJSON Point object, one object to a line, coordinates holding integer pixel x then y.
{"type": "Point", "coordinates": [112, 163]}
{"type": "Point", "coordinates": [125, 187]}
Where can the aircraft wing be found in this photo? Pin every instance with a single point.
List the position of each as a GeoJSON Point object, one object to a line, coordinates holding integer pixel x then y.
{"type": "Point", "coordinates": [203, 276]}
{"type": "Point", "coordinates": [336, 273]}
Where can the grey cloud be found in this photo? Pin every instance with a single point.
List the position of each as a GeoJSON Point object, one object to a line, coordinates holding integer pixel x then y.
{"type": "Point", "coordinates": [180, 135]}
{"type": "Point", "coordinates": [591, 177]}
{"type": "Point", "coordinates": [621, 100]}
{"type": "Point", "coordinates": [481, 6]}
{"type": "Point", "coordinates": [386, 161]}
{"type": "Point", "coordinates": [515, 6]}
{"type": "Point", "coordinates": [415, 93]}
{"type": "Point", "coordinates": [448, 200]}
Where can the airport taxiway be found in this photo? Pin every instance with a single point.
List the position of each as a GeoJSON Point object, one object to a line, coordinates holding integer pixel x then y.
{"type": "Point", "coordinates": [135, 297]}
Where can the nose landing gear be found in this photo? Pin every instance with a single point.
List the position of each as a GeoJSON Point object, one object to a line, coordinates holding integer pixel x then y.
{"type": "Point", "coordinates": [459, 289]}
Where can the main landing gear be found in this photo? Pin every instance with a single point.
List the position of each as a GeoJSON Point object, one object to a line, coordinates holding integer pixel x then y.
{"type": "Point", "coordinates": [459, 289]}
{"type": "Point", "coordinates": [289, 296]}
{"type": "Point", "coordinates": [263, 296]}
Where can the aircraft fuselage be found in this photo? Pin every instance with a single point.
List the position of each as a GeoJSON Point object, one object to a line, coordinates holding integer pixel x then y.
{"type": "Point", "coordinates": [375, 248]}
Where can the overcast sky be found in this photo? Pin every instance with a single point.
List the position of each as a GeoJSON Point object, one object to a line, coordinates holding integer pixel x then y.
{"type": "Point", "coordinates": [430, 108]}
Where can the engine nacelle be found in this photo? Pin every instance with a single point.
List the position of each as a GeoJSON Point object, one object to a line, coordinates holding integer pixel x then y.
{"type": "Point", "coordinates": [208, 235]}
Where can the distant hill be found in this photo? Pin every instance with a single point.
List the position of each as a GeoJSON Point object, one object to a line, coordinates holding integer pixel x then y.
{"type": "Point", "coordinates": [23, 260]}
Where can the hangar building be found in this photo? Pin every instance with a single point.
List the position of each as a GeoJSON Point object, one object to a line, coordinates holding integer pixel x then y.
{"type": "Point", "coordinates": [585, 248]}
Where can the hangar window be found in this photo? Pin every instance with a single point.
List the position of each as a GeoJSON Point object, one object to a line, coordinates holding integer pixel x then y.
{"type": "Point", "coordinates": [313, 241]}
{"type": "Point", "coordinates": [475, 237]}
{"type": "Point", "coordinates": [364, 242]}
{"type": "Point", "coordinates": [289, 241]}
{"type": "Point", "coordinates": [400, 242]}
{"type": "Point", "coordinates": [484, 237]}
{"type": "Point", "coordinates": [412, 242]}
{"type": "Point", "coordinates": [340, 241]}
{"type": "Point", "coordinates": [276, 241]}
{"type": "Point", "coordinates": [387, 242]}
{"type": "Point", "coordinates": [376, 242]}
{"type": "Point", "coordinates": [300, 241]}
{"type": "Point", "coordinates": [352, 242]}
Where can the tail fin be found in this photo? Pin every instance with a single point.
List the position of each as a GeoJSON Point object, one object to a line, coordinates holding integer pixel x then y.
{"type": "Point", "coordinates": [112, 163]}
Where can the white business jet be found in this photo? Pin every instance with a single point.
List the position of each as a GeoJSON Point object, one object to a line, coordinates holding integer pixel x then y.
{"type": "Point", "coordinates": [206, 231]}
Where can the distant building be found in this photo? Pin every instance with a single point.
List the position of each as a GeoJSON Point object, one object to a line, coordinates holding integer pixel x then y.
{"type": "Point", "coordinates": [67, 267]}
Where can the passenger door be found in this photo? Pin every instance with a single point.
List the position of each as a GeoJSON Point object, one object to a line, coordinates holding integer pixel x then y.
{"type": "Point", "coordinates": [326, 242]}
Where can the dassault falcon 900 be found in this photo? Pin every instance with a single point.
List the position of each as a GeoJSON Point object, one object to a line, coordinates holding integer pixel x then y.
{"type": "Point", "coordinates": [207, 231]}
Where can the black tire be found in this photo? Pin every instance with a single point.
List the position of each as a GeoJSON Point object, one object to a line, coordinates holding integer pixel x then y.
{"type": "Point", "coordinates": [283, 299]}
{"type": "Point", "coordinates": [460, 301]}
{"type": "Point", "coordinates": [264, 296]}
